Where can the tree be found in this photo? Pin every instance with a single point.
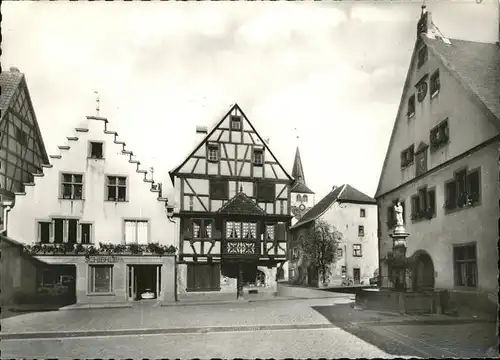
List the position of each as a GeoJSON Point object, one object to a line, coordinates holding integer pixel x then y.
{"type": "Point", "coordinates": [319, 247]}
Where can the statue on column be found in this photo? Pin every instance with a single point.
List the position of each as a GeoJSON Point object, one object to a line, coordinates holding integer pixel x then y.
{"type": "Point", "coordinates": [398, 209]}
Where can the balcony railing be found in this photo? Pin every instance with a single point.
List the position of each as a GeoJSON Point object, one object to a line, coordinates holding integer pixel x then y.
{"type": "Point", "coordinates": [241, 248]}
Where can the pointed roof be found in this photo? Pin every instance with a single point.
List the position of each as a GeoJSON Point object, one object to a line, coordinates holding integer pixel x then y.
{"type": "Point", "coordinates": [299, 185]}
{"type": "Point", "coordinates": [475, 65]}
{"type": "Point", "coordinates": [342, 194]}
{"type": "Point", "coordinates": [241, 204]}
{"type": "Point", "coordinates": [172, 173]}
{"type": "Point", "coordinates": [10, 81]}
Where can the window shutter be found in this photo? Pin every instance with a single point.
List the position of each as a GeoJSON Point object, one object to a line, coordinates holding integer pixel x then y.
{"type": "Point", "coordinates": [473, 186]}
{"type": "Point", "coordinates": [280, 232]}
{"type": "Point", "coordinates": [432, 202]}
{"type": "Point", "coordinates": [451, 194]}
{"type": "Point", "coordinates": [191, 273]}
{"type": "Point", "coordinates": [142, 232]}
{"type": "Point", "coordinates": [130, 229]}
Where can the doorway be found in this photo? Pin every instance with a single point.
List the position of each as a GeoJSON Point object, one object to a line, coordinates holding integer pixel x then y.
{"type": "Point", "coordinates": [144, 281]}
{"type": "Point", "coordinates": [356, 274]}
{"type": "Point", "coordinates": [423, 272]}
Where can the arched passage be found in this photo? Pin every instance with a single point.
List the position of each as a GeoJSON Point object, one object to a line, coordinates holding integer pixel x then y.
{"type": "Point", "coordinates": [422, 271]}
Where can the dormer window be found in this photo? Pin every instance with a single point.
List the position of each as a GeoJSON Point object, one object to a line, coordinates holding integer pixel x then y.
{"type": "Point", "coordinates": [258, 157]}
{"type": "Point", "coordinates": [96, 150]}
{"type": "Point", "coordinates": [421, 56]}
{"type": "Point", "coordinates": [236, 123]}
{"type": "Point", "coordinates": [435, 84]}
{"type": "Point", "coordinates": [411, 106]}
{"type": "Point", "coordinates": [213, 152]}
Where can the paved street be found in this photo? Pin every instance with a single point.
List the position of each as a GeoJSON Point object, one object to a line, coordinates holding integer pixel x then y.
{"type": "Point", "coordinates": [312, 328]}
{"type": "Point", "coordinates": [406, 337]}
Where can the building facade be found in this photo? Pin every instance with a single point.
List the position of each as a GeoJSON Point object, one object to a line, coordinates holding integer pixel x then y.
{"type": "Point", "coordinates": [352, 213]}
{"type": "Point", "coordinates": [97, 222]}
{"type": "Point", "coordinates": [22, 151]}
{"type": "Point", "coordinates": [442, 165]}
{"type": "Point", "coordinates": [234, 210]}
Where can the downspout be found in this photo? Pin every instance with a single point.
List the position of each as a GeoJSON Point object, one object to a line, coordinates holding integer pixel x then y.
{"type": "Point", "coordinates": [7, 207]}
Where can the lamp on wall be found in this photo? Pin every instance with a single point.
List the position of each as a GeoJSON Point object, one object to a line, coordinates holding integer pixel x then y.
{"type": "Point", "coordinates": [170, 210]}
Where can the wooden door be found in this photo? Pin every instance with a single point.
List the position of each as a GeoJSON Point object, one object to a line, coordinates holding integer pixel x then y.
{"type": "Point", "coordinates": [356, 272]}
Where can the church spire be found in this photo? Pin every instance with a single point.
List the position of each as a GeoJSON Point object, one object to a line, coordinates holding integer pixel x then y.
{"type": "Point", "coordinates": [298, 170]}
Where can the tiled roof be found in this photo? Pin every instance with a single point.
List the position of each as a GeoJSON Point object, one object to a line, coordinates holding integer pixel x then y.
{"type": "Point", "coordinates": [241, 204]}
{"type": "Point", "coordinates": [352, 195]}
{"type": "Point", "coordinates": [9, 82]}
{"type": "Point", "coordinates": [343, 194]}
{"type": "Point", "coordinates": [301, 188]}
{"type": "Point", "coordinates": [477, 64]}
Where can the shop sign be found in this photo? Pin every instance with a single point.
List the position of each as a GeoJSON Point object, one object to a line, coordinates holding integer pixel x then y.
{"type": "Point", "coordinates": [106, 259]}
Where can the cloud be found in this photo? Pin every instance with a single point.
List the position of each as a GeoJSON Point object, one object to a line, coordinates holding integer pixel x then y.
{"type": "Point", "coordinates": [382, 13]}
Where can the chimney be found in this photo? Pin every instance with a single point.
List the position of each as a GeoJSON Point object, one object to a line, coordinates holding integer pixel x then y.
{"type": "Point", "coordinates": [201, 130]}
{"type": "Point", "coordinates": [334, 187]}
{"type": "Point", "coordinates": [14, 69]}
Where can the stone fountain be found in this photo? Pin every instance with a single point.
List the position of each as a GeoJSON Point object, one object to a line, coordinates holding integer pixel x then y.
{"type": "Point", "coordinates": [398, 262]}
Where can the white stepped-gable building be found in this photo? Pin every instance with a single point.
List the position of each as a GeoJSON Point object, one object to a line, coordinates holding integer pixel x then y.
{"type": "Point", "coordinates": [98, 221]}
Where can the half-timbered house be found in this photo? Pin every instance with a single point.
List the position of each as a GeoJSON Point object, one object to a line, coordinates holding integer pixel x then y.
{"type": "Point", "coordinates": [233, 211]}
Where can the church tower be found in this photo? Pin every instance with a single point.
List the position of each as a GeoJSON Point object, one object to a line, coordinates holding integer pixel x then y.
{"type": "Point", "coordinates": [302, 198]}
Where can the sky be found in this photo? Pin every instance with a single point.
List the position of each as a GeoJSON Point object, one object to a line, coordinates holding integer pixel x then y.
{"type": "Point", "coordinates": [333, 71]}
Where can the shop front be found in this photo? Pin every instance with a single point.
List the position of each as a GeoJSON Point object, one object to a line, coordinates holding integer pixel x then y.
{"type": "Point", "coordinates": [118, 278]}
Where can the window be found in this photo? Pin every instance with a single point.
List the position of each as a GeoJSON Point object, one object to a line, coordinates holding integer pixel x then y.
{"type": "Point", "coordinates": [269, 234]}
{"type": "Point", "coordinates": [61, 230]}
{"type": "Point", "coordinates": [299, 198]}
{"type": "Point", "coordinates": [411, 106]}
{"type": "Point", "coordinates": [44, 232]}
{"type": "Point", "coordinates": [136, 232]}
{"type": "Point", "coordinates": [117, 188]}
{"type": "Point", "coordinates": [362, 213]}
{"type": "Point", "coordinates": [202, 228]}
{"type": "Point", "coordinates": [96, 150]}
{"type": "Point", "coordinates": [219, 189]}
{"type": "Point", "coordinates": [72, 186]}
{"type": "Point", "coordinates": [86, 233]}
{"type": "Point", "coordinates": [361, 230]}
{"type": "Point", "coordinates": [203, 277]}
{"type": "Point", "coordinates": [465, 264]}
{"type": "Point", "coordinates": [266, 192]}
{"type": "Point", "coordinates": [241, 230]}
{"type": "Point", "coordinates": [235, 123]}
{"type": "Point", "coordinates": [435, 84]}
{"type": "Point", "coordinates": [213, 152]}
{"type": "Point", "coordinates": [101, 279]}
{"type": "Point", "coordinates": [339, 253]}
{"type": "Point", "coordinates": [439, 135]}
{"type": "Point", "coordinates": [463, 190]}
{"type": "Point", "coordinates": [407, 156]}
{"type": "Point", "coordinates": [421, 57]}
{"type": "Point", "coordinates": [422, 89]}
{"type": "Point", "coordinates": [356, 250]}
{"type": "Point", "coordinates": [258, 157]}
{"type": "Point", "coordinates": [423, 204]}
{"type": "Point", "coordinates": [282, 207]}
{"type": "Point", "coordinates": [21, 137]}
{"type": "Point", "coordinates": [304, 198]}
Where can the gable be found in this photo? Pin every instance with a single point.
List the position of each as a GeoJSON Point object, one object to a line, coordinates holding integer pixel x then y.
{"type": "Point", "coordinates": [22, 150]}
{"type": "Point", "coordinates": [235, 149]}
{"type": "Point", "coordinates": [466, 116]}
